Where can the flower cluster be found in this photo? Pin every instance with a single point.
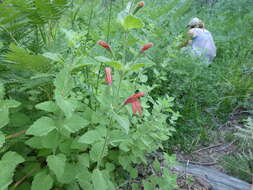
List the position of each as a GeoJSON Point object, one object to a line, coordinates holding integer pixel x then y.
{"type": "Point", "coordinates": [134, 99]}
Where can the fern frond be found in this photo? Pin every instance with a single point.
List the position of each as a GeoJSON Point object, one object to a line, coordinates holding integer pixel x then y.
{"type": "Point", "coordinates": [246, 132]}
{"type": "Point", "coordinates": [21, 59]}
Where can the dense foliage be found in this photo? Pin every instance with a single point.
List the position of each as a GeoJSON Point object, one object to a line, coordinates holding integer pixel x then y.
{"type": "Point", "coordinates": [89, 88]}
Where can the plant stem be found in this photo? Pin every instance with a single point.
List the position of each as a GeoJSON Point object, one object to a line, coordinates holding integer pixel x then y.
{"type": "Point", "coordinates": [104, 146]}
{"type": "Point", "coordinates": [109, 22]}
{"type": "Point", "coordinates": [108, 35]}
{"type": "Point", "coordinates": [85, 46]}
{"type": "Point", "coordinates": [24, 177]}
{"type": "Point", "coordinates": [15, 134]}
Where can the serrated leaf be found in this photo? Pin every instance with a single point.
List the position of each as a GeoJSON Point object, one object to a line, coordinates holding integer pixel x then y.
{"type": "Point", "coordinates": [56, 163]}
{"type": "Point", "coordinates": [98, 180]}
{"type": "Point", "coordinates": [42, 181]}
{"type": "Point", "coordinates": [84, 179]}
{"type": "Point", "coordinates": [4, 117]}
{"type": "Point", "coordinates": [90, 137]}
{"type": "Point", "coordinates": [115, 64]}
{"type": "Point", "coordinates": [67, 106]}
{"type": "Point", "coordinates": [2, 139]}
{"type": "Point", "coordinates": [132, 22]}
{"type": "Point", "coordinates": [122, 121]}
{"type": "Point", "coordinates": [8, 164]}
{"type": "Point", "coordinates": [51, 140]}
{"type": "Point", "coordinates": [24, 61]}
{"type": "Point", "coordinates": [34, 142]}
{"type": "Point", "coordinates": [75, 123]}
{"type": "Point", "coordinates": [48, 106]}
{"type": "Point", "coordinates": [97, 149]}
{"type": "Point", "coordinates": [11, 103]}
{"type": "Point", "coordinates": [2, 91]}
{"type": "Point", "coordinates": [64, 82]}
{"type": "Point", "coordinates": [70, 173]}
{"type": "Point", "coordinates": [41, 127]}
{"type": "Point", "coordinates": [52, 56]}
{"type": "Point", "coordinates": [84, 160]}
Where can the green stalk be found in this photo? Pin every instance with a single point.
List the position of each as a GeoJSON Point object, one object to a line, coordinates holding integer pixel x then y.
{"type": "Point", "coordinates": [109, 22]}
{"type": "Point", "coordinates": [85, 44]}
{"type": "Point", "coordinates": [104, 146]}
{"type": "Point", "coordinates": [108, 35]}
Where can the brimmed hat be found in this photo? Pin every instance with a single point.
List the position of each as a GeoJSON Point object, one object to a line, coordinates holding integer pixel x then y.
{"type": "Point", "coordinates": [195, 22]}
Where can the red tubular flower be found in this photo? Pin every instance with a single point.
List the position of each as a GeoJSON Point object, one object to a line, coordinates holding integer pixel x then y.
{"type": "Point", "coordinates": [146, 46]}
{"type": "Point", "coordinates": [108, 75]}
{"type": "Point", "coordinates": [141, 4]}
{"type": "Point", "coordinates": [104, 44]}
{"type": "Point", "coordinates": [136, 105]}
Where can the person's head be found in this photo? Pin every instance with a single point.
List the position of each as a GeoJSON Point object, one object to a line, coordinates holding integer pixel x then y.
{"type": "Point", "coordinates": [195, 23]}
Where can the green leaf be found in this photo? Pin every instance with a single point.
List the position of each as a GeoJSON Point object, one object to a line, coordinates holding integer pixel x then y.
{"type": "Point", "coordinates": [34, 142]}
{"type": "Point", "coordinates": [2, 139]}
{"type": "Point", "coordinates": [90, 137]}
{"type": "Point", "coordinates": [4, 117]}
{"type": "Point", "coordinates": [42, 181]}
{"type": "Point", "coordinates": [70, 173]}
{"type": "Point", "coordinates": [67, 106]}
{"type": "Point", "coordinates": [75, 123]}
{"type": "Point", "coordinates": [41, 127]}
{"type": "Point", "coordinates": [84, 160]}
{"type": "Point", "coordinates": [156, 165]}
{"type": "Point", "coordinates": [56, 163]}
{"type": "Point", "coordinates": [8, 164]}
{"type": "Point", "coordinates": [98, 180]}
{"type": "Point", "coordinates": [148, 186]}
{"type": "Point", "coordinates": [84, 179]}
{"type": "Point", "coordinates": [2, 91]}
{"type": "Point", "coordinates": [11, 103]}
{"type": "Point", "coordinates": [64, 82]}
{"type": "Point", "coordinates": [137, 66]}
{"type": "Point", "coordinates": [97, 149]}
{"type": "Point", "coordinates": [24, 61]}
{"type": "Point", "coordinates": [4, 110]}
{"type": "Point", "coordinates": [51, 140]}
{"type": "Point", "coordinates": [115, 64]}
{"type": "Point", "coordinates": [52, 56]}
{"type": "Point", "coordinates": [123, 122]}
{"type": "Point", "coordinates": [48, 106]}
{"type": "Point", "coordinates": [102, 59]}
{"type": "Point", "coordinates": [132, 22]}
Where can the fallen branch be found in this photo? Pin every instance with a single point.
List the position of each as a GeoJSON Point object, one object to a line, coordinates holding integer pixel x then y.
{"type": "Point", "coordinates": [199, 163]}
{"type": "Point", "coordinates": [206, 148]}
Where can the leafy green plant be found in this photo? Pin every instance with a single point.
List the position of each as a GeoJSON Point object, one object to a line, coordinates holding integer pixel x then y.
{"type": "Point", "coordinates": [83, 134]}
{"type": "Point", "coordinates": [244, 157]}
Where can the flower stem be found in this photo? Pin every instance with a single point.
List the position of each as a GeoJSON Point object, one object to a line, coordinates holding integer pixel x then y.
{"type": "Point", "coordinates": [104, 146]}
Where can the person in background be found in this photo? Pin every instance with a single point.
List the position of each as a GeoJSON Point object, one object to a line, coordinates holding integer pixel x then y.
{"type": "Point", "coordinates": [201, 43]}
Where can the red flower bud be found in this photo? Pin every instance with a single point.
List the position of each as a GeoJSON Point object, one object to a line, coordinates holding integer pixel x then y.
{"type": "Point", "coordinates": [141, 4]}
{"type": "Point", "coordinates": [103, 44]}
{"type": "Point", "coordinates": [138, 7]}
{"type": "Point", "coordinates": [108, 75]}
{"type": "Point", "coordinates": [146, 46]}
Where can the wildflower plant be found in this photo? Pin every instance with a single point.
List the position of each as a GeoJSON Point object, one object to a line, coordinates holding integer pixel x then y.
{"type": "Point", "coordinates": [86, 136]}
